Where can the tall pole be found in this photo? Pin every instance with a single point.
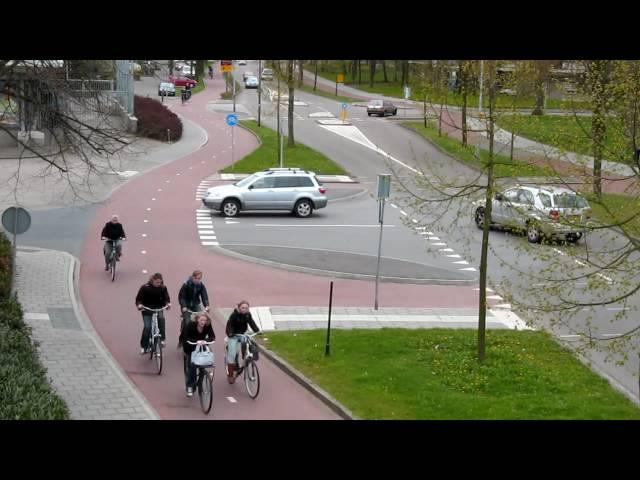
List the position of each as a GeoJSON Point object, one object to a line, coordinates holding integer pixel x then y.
{"type": "Point", "coordinates": [278, 116]}
{"type": "Point", "coordinates": [381, 218]}
{"type": "Point", "coordinates": [480, 104]}
{"type": "Point", "coordinates": [232, 152]}
{"type": "Point", "coordinates": [233, 81]}
{"type": "Point", "coordinates": [259, 89]}
{"type": "Point", "coordinates": [327, 348]}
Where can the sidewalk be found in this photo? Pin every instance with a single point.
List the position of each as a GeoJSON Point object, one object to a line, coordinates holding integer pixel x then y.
{"type": "Point", "coordinates": [78, 365]}
{"type": "Point", "coordinates": [307, 318]}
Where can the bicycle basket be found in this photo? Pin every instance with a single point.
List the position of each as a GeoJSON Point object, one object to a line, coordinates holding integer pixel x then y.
{"type": "Point", "coordinates": [253, 348]}
{"type": "Point", "coordinates": [202, 357]}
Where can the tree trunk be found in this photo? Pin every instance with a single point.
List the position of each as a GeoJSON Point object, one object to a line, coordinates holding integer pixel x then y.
{"type": "Point", "coordinates": [359, 71]}
{"type": "Point", "coordinates": [539, 89]}
{"type": "Point", "coordinates": [290, 81]}
{"type": "Point", "coordinates": [463, 87]}
{"type": "Point", "coordinates": [315, 78]}
{"type": "Point", "coordinates": [301, 73]}
{"type": "Point", "coordinates": [354, 71]}
{"type": "Point", "coordinates": [403, 80]}
{"type": "Point", "coordinates": [599, 95]}
{"type": "Point", "coordinates": [482, 303]}
{"type": "Point", "coordinates": [372, 72]}
{"type": "Point", "coordinates": [396, 67]}
{"type": "Point", "coordinates": [384, 71]}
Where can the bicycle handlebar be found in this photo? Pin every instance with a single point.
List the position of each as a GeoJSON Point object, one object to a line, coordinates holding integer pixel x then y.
{"type": "Point", "coordinates": [204, 343]}
{"type": "Point", "coordinates": [155, 309]}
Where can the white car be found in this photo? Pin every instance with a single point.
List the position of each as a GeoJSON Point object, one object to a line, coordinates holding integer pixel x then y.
{"type": "Point", "coordinates": [167, 88]}
{"type": "Point", "coordinates": [251, 82]}
{"type": "Point", "coordinates": [242, 62]}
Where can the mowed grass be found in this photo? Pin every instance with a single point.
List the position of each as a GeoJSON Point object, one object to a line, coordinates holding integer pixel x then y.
{"type": "Point", "coordinates": [266, 155]}
{"type": "Point", "coordinates": [623, 210]}
{"type": "Point", "coordinates": [433, 374]}
{"type": "Point", "coordinates": [567, 132]}
{"type": "Point", "coordinates": [503, 166]}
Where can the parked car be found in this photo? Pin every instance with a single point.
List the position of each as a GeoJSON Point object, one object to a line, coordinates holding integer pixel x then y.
{"type": "Point", "coordinates": [247, 74]}
{"type": "Point", "coordinates": [541, 211]}
{"type": "Point", "coordinates": [242, 62]}
{"type": "Point", "coordinates": [168, 89]}
{"type": "Point", "coordinates": [181, 81]}
{"type": "Point", "coordinates": [267, 74]}
{"type": "Point", "coordinates": [381, 107]}
{"type": "Point", "coordinates": [251, 82]}
{"type": "Point", "coordinates": [185, 70]}
{"type": "Point", "coordinates": [289, 189]}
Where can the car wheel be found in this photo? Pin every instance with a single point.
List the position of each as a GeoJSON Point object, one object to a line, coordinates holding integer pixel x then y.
{"type": "Point", "coordinates": [303, 208]}
{"type": "Point", "coordinates": [573, 237]}
{"type": "Point", "coordinates": [395, 112]}
{"type": "Point", "coordinates": [368, 114]}
{"type": "Point", "coordinates": [533, 233]}
{"type": "Point", "coordinates": [479, 217]}
{"type": "Point", "coordinates": [230, 208]}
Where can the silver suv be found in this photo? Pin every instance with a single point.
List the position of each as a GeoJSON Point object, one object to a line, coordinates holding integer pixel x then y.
{"type": "Point", "coordinates": [290, 189]}
{"type": "Point", "coordinates": [539, 210]}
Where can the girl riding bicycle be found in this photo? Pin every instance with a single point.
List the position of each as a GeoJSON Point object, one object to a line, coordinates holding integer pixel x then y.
{"type": "Point", "coordinates": [237, 324]}
{"type": "Point", "coordinates": [198, 331]}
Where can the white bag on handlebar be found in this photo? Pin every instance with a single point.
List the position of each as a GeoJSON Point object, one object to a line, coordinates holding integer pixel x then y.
{"type": "Point", "coordinates": [202, 356]}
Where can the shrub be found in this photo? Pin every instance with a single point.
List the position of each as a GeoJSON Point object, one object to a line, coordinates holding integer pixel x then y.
{"type": "Point", "coordinates": [154, 119]}
{"type": "Point", "coordinates": [5, 266]}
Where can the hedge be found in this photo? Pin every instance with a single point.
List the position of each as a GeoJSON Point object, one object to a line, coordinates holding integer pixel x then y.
{"type": "Point", "coordinates": [154, 119]}
{"type": "Point", "coordinates": [25, 392]}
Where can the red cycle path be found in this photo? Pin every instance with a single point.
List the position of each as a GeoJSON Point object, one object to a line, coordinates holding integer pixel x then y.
{"type": "Point", "coordinates": [171, 246]}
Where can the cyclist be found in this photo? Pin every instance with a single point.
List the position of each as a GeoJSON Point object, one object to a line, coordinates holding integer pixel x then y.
{"type": "Point", "coordinates": [112, 230]}
{"type": "Point", "coordinates": [199, 331]}
{"type": "Point", "coordinates": [239, 320]}
{"type": "Point", "coordinates": [193, 296]}
{"type": "Point", "coordinates": [210, 72]}
{"type": "Point", "coordinates": [152, 294]}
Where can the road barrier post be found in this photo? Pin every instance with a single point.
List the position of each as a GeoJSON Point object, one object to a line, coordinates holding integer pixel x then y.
{"type": "Point", "coordinates": [327, 348]}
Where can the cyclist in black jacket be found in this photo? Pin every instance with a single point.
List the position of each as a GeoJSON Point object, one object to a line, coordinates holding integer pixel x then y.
{"type": "Point", "coordinates": [200, 330]}
{"type": "Point", "coordinates": [192, 296]}
{"type": "Point", "coordinates": [152, 295]}
{"type": "Point", "coordinates": [113, 230]}
{"type": "Point", "coordinates": [239, 321]}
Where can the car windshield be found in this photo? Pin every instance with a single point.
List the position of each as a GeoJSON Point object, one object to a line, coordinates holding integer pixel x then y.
{"type": "Point", "coordinates": [246, 181]}
{"type": "Point", "coordinates": [569, 200]}
{"type": "Point", "coordinates": [376, 103]}
{"type": "Point", "coordinates": [267, 71]}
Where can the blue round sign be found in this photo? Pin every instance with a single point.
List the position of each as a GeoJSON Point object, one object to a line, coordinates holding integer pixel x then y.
{"type": "Point", "coordinates": [344, 106]}
{"type": "Point", "coordinates": [232, 119]}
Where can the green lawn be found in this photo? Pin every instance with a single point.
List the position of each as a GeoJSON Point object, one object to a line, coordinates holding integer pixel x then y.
{"type": "Point", "coordinates": [433, 374]}
{"type": "Point", "coordinates": [266, 155]}
{"type": "Point", "coordinates": [569, 133]}
{"type": "Point", "coordinates": [504, 167]}
{"type": "Point", "coordinates": [339, 98]}
{"type": "Point", "coordinates": [624, 209]}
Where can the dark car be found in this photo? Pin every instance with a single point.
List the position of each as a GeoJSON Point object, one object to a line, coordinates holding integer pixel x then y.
{"type": "Point", "coordinates": [381, 107]}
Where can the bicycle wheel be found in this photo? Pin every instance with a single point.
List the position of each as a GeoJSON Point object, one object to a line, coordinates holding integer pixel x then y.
{"type": "Point", "coordinates": [157, 352]}
{"type": "Point", "coordinates": [252, 379]}
{"type": "Point", "coordinates": [112, 266]}
{"type": "Point", "coordinates": [205, 390]}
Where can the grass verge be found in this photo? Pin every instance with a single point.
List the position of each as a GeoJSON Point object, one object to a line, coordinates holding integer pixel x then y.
{"type": "Point", "coordinates": [266, 155]}
{"type": "Point", "coordinates": [433, 374]}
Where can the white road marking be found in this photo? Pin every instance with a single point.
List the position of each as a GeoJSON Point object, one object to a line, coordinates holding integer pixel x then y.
{"type": "Point", "coordinates": [439, 244]}
{"type": "Point", "coordinates": [206, 232]}
{"type": "Point", "coordinates": [202, 210]}
{"type": "Point", "coordinates": [159, 189]}
{"type": "Point", "coordinates": [146, 221]}
{"type": "Point", "coordinates": [414, 220]}
{"type": "Point", "coordinates": [418, 228]}
{"type": "Point", "coordinates": [210, 243]}
{"type": "Point", "coordinates": [494, 297]}
{"type": "Point", "coordinates": [148, 209]}
{"type": "Point", "coordinates": [579, 262]}
{"type": "Point", "coordinates": [569, 336]}
{"type": "Point", "coordinates": [445, 249]}
{"type": "Point", "coordinates": [395, 206]}
{"type": "Point", "coordinates": [177, 174]}
{"type": "Point", "coordinates": [144, 234]}
{"type": "Point", "coordinates": [208, 237]}
{"type": "Point", "coordinates": [487, 289]}
{"type": "Point", "coordinates": [318, 225]}
{"type": "Point", "coordinates": [153, 199]}
{"type": "Point", "coordinates": [232, 400]}
{"type": "Point", "coordinates": [144, 252]}
{"type": "Point", "coordinates": [462, 262]}
{"type": "Point", "coordinates": [455, 255]}
{"type": "Point", "coordinates": [611, 334]}
{"type": "Point", "coordinates": [144, 271]}
{"type": "Point", "coordinates": [403, 213]}
{"type": "Point", "coordinates": [605, 277]}
{"type": "Point", "coordinates": [617, 308]}
{"type": "Point", "coordinates": [432, 238]}
{"type": "Point", "coordinates": [167, 181]}
{"type": "Point", "coordinates": [469, 269]}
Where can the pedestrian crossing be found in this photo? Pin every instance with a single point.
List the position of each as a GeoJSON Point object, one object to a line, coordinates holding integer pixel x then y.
{"type": "Point", "coordinates": [204, 224]}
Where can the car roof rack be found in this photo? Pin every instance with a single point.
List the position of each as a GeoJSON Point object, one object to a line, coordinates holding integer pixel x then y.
{"type": "Point", "coordinates": [290, 169]}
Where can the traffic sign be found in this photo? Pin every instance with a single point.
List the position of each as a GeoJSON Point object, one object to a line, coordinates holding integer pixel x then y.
{"type": "Point", "coordinates": [384, 185]}
{"type": "Point", "coordinates": [407, 93]}
{"type": "Point", "coordinates": [226, 65]}
{"type": "Point", "coordinates": [232, 120]}
{"type": "Point", "coordinates": [344, 106]}
{"type": "Point", "coordinates": [340, 78]}
{"type": "Point", "coordinates": [16, 220]}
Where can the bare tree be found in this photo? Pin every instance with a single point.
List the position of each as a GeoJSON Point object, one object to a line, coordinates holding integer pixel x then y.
{"type": "Point", "coordinates": [372, 72]}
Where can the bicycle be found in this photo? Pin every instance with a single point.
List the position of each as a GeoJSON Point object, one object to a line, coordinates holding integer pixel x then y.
{"type": "Point", "coordinates": [155, 339]}
{"type": "Point", "coordinates": [249, 370]}
{"type": "Point", "coordinates": [112, 259]}
{"type": "Point", "coordinates": [204, 377]}
{"type": "Point", "coordinates": [186, 95]}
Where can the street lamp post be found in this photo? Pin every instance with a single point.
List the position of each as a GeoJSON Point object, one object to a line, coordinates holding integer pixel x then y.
{"type": "Point", "coordinates": [480, 104]}
{"type": "Point", "coordinates": [384, 188]}
{"type": "Point", "coordinates": [259, 90]}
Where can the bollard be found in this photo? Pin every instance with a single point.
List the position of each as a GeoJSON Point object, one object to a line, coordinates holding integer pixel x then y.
{"type": "Point", "coordinates": [327, 349]}
{"type": "Point", "coordinates": [168, 135]}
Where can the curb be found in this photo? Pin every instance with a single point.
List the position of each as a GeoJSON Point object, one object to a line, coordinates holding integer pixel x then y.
{"type": "Point", "coordinates": [332, 274]}
{"type": "Point", "coordinates": [318, 392]}
{"type": "Point", "coordinates": [83, 318]}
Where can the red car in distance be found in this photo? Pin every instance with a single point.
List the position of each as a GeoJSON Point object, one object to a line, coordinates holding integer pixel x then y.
{"type": "Point", "coordinates": [182, 81]}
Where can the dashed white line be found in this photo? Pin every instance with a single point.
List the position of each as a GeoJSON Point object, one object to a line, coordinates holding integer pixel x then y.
{"type": "Point", "coordinates": [445, 249]}
{"type": "Point", "coordinates": [167, 181]}
{"type": "Point", "coordinates": [393, 205]}
{"type": "Point", "coordinates": [403, 213]}
{"type": "Point", "coordinates": [414, 220]}
{"type": "Point", "coordinates": [433, 238]}
{"type": "Point", "coordinates": [159, 189]}
{"type": "Point", "coordinates": [144, 252]}
{"type": "Point", "coordinates": [144, 234]}
{"type": "Point", "coordinates": [208, 237]}
{"type": "Point", "coordinates": [617, 308]}
{"type": "Point", "coordinates": [153, 199]}
{"type": "Point", "coordinates": [469, 269]}
{"type": "Point", "coordinates": [146, 221]}
{"type": "Point", "coordinates": [232, 400]}
{"type": "Point", "coordinates": [144, 271]}
{"type": "Point", "coordinates": [148, 209]}
{"type": "Point", "coordinates": [439, 244]}
{"type": "Point", "coordinates": [206, 232]}
{"type": "Point", "coordinates": [462, 262]}
{"type": "Point", "coordinates": [210, 243]}
{"type": "Point", "coordinates": [455, 255]}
